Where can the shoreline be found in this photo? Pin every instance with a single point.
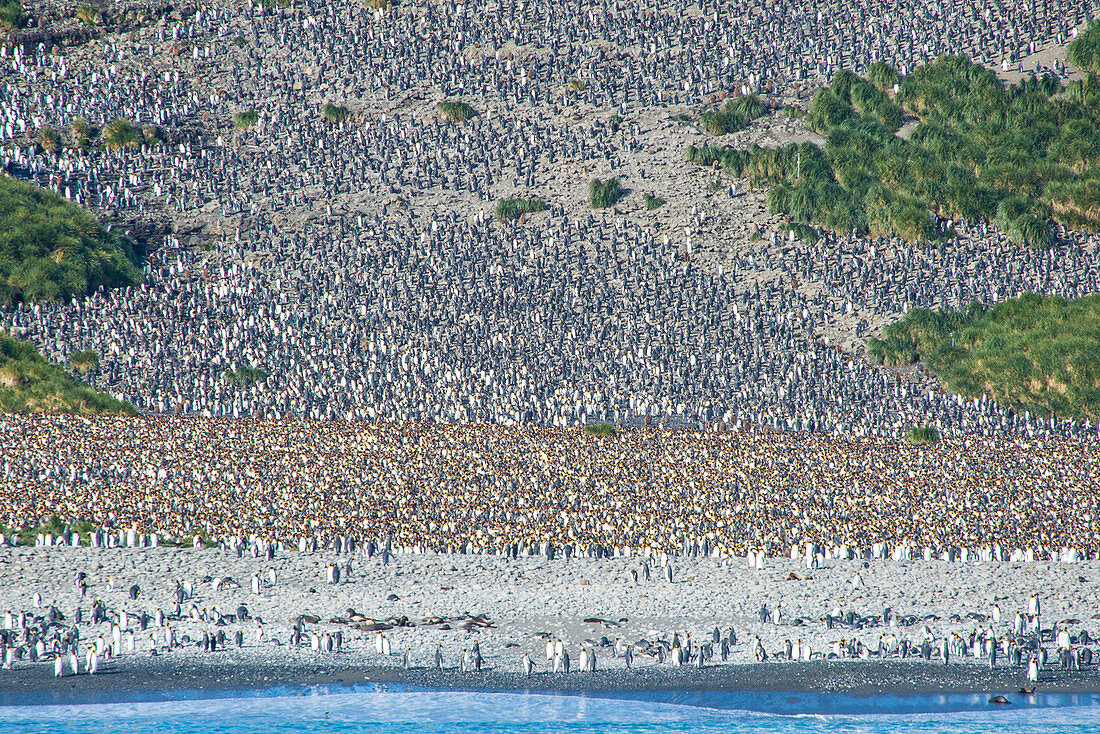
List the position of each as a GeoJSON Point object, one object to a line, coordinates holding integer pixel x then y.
{"type": "Point", "coordinates": [152, 680]}
{"type": "Point", "coordinates": [303, 632]}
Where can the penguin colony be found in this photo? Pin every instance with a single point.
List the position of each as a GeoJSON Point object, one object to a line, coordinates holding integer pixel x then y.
{"type": "Point", "coordinates": [359, 264]}
{"type": "Point", "coordinates": [479, 489]}
{"type": "Point", "coordinates": [429, 368]}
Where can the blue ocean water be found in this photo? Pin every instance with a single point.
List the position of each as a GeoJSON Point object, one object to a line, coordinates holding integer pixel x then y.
{"type": "Point", "coordinates": [395, 710]}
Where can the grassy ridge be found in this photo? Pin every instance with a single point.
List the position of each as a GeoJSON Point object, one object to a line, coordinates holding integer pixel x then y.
{"type": "Point", "coordinates": [31, 384]}
{"type": "Point", "coordinates": [51, 249]}
{"type": "Point", "coordinates": [1036, 353]}
{"type": "Point", "coordinates": [1023, 156]}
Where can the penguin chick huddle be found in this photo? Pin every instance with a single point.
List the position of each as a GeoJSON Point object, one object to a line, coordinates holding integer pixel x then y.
{"type": "Point", "coordinates": [483, 489]}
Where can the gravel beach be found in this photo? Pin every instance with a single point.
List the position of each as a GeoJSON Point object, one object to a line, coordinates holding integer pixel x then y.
{"type": "Point", "coordinates": [510, 607]}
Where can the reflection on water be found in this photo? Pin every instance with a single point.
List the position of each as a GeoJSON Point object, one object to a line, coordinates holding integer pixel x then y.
{"type": "Point", "coordinates": [395, 710]}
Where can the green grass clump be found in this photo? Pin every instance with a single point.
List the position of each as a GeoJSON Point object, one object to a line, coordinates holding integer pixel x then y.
{"type": "Point", "coordinates": [602, 430]}
{"type": "Point", "coordinates": [51, 249]}
{"type": "Point", "coordinates": [49, 139]}
{"type": "Point", "coordinates": [31, 384]}
{"type": "Point", "coordinates": [1035, 353]}
{"type": "Point", "coordinates": [883, 76]}
{"type": "Point", "coordinates": [604, 194]}
{"type": "Point", "coordinates": [121, 133]}
{"type": "Point", "coordinates": [577, 85]}
{"type": "Point", "coordinates": [87, 14]}
{"type": "Point", "coordinates": [12, 17]}
{"type": "Point", "coordinates": [1084, 52]}
{"type": "Point", "coordinates": [246, 374]}
{"type": "Point", "coordinates": [86, 360]}
{"type": "Point", "coordinates": [652, 202]}
{"type": "Point", "coordinates": [377, 4]}
{"type": "Point", "coordinates": [456, 111]}
{"type": "Point", "coordinates": [245, 120]}
{"type": "Point", "coordinates": [923, 434]}
{"type": "Point", "coordinates": [734, 116]}
{"type": "Point", "coordinates": [82, 133]}
{"type": "Point", "coordinates": [510, 209]}
{"type": "Point", "coordinates": [1024, 156]}
{"type": "Point", "coordinates": [335, 113]}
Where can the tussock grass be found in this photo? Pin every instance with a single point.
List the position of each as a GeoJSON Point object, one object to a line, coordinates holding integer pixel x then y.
{"type": "Point", "coordinates": [31, 384]}
{"type": "Point", "coordinates": [51, 249]}
{"type": "Point", "coordinates": [87, 14]}
{"type": "Point", "coordinates": [456, 111]}
{"type": "Point", "coordinates": [603, 194]}
{"type": "Point", "coordinates": [601, 430]}
{"type": "Point", "coordinates": [334, 113]}
{"type": "Point", "coordinates": [82, 133]}
{"type": "Point", "coordinates": [923, 434]}
{"type": "Point", "coordinates": [1035, 353]}
{"type": "Point", "coordinates": [246, 374]}
{"type": "Point", "coordinates": [245, 120]}
{"type": "Point", "coordinates": [86, 360]}
{"type": "Point", "coordinates": [735, 115]}
{"type": "Point", "coordinates": [510, 209]}
{"type": "Point", "coordinates": [1084, 52]}
{"type": "Point", "coordinates": [49, 139]}
{"type": "Point", "coordinates": [1024, 156]}
{"type": "Point", "coordinates": [121, 133]}
{"type": "Point", "coordinates": [12, 17]}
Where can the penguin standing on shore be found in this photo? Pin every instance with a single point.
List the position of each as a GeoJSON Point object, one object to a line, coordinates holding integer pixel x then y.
{"type": "Point", "coordinates": [438, 659]}
{"type": "Point", "coordinates": [528, 665]}
{"type": "Point", "coordinates": [1033, 670]}
{"type": "Point", "coordinates": [628, 656]}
